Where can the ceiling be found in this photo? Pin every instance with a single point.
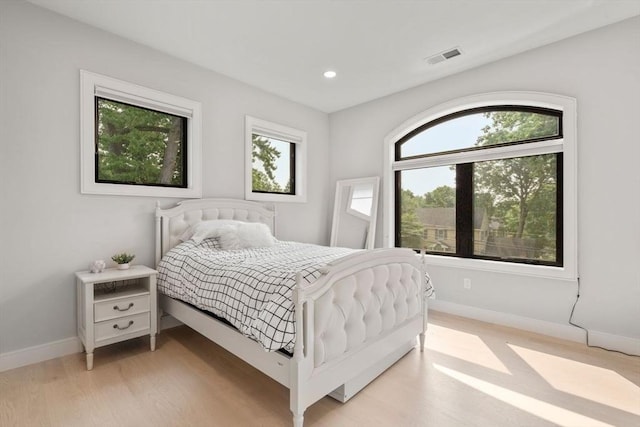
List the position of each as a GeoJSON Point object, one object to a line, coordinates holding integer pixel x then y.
{"type": "Point", "coordinates": [376, 47]}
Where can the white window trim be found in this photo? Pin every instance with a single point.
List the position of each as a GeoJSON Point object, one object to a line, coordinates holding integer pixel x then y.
{"type": "Point", "coordinates": [281, 132]}
{"type": "Point", "coordinates": [92, 85]}
{"type": "Point", "coordinates": [567, 145]}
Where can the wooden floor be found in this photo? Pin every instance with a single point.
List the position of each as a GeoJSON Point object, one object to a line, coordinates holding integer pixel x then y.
{"type": "Point", "coordinates": [472, 374]}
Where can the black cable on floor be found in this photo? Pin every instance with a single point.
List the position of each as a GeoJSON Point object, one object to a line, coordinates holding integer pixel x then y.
{"type": "Point", "coordinates": [587, 331]}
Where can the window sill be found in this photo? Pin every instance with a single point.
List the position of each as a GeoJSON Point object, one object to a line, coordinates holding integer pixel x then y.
{"type": "Point", "coordinates": [558, 273]}
{"type": "Point", "coordinates": [191, 192]}
{"type": "Point", "coordinates": [275, 197]}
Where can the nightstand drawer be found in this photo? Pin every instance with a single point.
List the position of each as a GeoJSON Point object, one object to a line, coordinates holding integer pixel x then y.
{"type": "Point", "coordinates": [116, 308]}
{"type": "Point", "coordinates": [121, 326]}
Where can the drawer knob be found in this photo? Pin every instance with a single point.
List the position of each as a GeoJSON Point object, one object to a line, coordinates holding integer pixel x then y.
{"type": "Point", "coordinates": [123, 328]}
{"type": "Point", "coordinates": [115, 307]}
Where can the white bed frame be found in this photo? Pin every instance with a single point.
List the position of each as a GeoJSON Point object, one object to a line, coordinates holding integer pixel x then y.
{"type": "Point", "coordinates": [359, 317]}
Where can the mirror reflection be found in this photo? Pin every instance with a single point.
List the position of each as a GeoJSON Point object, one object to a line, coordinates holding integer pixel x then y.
{"type": "Point", "coordinates": [355, 212]}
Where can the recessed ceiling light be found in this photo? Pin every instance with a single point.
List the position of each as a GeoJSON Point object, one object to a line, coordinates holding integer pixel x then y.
{"type": "Point", "coordinates": [330, 74]}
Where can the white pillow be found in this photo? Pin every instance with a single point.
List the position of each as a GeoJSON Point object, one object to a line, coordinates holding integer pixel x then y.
{"type": "Point", "coordinates": [205, 229]}
{"type": "Point", "coordinates": [245, 235]}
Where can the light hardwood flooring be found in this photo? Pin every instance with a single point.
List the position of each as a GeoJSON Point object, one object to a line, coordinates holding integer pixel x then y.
{"type": "Point", "coordinates": [472, 374]}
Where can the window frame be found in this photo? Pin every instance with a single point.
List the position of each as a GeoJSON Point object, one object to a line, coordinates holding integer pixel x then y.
{"type": "Point", "coordinates": [284, 133]}
{"type": "Point", "coordinates": [93, 86]}
{"type": "Point", "coordinates": [476, 110]}
{"type": "Point", "coordinates": [566, 145]}
{"type": "Point", "coordinates": [184, 147]}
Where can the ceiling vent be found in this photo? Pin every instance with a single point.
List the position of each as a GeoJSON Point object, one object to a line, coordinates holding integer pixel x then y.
{"type": "Point", "coordinates": [443, 56]}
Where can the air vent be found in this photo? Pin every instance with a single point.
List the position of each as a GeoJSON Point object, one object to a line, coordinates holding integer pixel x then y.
{"type": "Point", "coordinates": [443, 56]}
{"type": "Point", "coordinates": [451, 53]}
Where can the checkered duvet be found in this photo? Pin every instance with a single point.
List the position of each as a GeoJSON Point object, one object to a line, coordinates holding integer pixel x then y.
{"type": "Point", "coordinates": [250, 288]}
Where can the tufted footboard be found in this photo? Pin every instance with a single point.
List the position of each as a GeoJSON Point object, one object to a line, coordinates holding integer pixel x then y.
{"type": "Point", "coordinates": [363, 306]}
{"type": "Point", "coordinates": [358, 319]}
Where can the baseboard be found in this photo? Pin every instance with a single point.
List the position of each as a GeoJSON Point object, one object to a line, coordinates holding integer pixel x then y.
{"type": "Point", "coordinates": [64, 347]}
{"type": "Point", "coordinates": [39, 353]}
{"type": "Point", "coordinates": [566, 332]}
{"type": "Point", "coordinates": [615, 342]}
{"type": "Point", "coordinates": [600, 339]}
{"type": "Point", "coordinates": [51, 350]}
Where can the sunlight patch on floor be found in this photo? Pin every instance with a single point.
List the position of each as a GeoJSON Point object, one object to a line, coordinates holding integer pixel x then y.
{"type": "Point", "coordinates": [571, 376]}
{"type": "Point", "coordinates": [457, 344]}
{"type": "Point", "coordinates": [544, 410]}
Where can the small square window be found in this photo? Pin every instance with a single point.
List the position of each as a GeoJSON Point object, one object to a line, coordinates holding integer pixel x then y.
{"type": "Point", "coordinates": [273, 165]}
{"type": "Point", "coordinates": [275, 162]}
{"type": "Point", "coordinates": [139, 146]}
{"type": "Point", "coordinates": [137, 141]}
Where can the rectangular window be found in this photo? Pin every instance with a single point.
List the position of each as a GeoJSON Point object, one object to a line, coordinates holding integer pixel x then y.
{"type": "Point", "coordinates": [273, 165]}
{"type": "Point", "coordinates": [139, 146]}
{"type": "Point", "coordinates": [276, 162]}
{"type": "Point", "coordinates": [427, 209]}
{"type": "Point", "coordinates": [517, 220]}
{"type": "Point", "coordinates": [504, 209]}
{"type": "Point", "coordinates": [137, 141]}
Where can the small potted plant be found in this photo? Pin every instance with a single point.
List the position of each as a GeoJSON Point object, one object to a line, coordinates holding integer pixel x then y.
{"type": "Point", "coordinates": [123, 259]}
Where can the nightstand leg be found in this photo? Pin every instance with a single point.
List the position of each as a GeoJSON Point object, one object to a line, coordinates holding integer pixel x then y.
{"type": "Point", "coordinates": [152, 340]}
{"type": "Point", "coordinates": [89, 361]}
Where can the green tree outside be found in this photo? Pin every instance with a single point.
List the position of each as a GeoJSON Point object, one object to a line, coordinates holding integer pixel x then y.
{"type": "Point", "coordinates": [411, 228]}
{"type": "Point", "coordinates": [264, 156]}
{"type": "Point", "coordinates": [139, 146]}
{"type": "Point", "coordinates": [520, 193]}
{"type": "Point", "coordinates": [441, 197]}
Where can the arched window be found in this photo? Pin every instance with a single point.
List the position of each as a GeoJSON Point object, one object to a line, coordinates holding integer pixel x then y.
{"type": "Point", "coordinates": [484, 179]}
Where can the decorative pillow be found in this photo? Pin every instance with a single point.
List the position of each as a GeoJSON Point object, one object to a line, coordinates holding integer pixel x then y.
{"type": "Point", "coordinates": [205, 229]}
{"type": "Point", "coordinates": [245, 235]}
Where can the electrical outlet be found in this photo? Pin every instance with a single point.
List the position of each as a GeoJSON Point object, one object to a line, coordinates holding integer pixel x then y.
{"type": "Point", "coordinates": [467, 283]}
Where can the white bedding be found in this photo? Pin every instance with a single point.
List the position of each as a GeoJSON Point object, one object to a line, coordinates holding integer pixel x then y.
{"type": "Point", "coordinates": [250, 288]}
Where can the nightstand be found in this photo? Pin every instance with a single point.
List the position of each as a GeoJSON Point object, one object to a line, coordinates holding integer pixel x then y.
{"type": "Point", "coordinates": [116, 305]}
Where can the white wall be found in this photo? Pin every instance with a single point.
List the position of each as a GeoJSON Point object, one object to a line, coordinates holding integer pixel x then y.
{"type": "Point", "coordinates": [601, 69]}
{"type": "Point", "coordinates": [48, 230]}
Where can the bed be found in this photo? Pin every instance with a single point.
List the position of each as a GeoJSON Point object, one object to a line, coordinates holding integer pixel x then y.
{"type": "Point", "coordinates": [353, 315]}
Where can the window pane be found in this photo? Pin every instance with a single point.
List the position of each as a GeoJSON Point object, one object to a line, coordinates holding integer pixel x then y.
{"type": "Point", "coordinates": [427, 209]}
{"type": "Point", "coordinates": [515, 208]}
{"type": "Point", "coordinates": [480, 129]}
{"type": "Point", "coordinates": [272, 165]}
{"type": "Point", "coordinates": [139, 146]}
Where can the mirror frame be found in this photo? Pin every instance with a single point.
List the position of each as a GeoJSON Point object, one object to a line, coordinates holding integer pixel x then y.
{"type": "Point", "coordinates": [341, 185]}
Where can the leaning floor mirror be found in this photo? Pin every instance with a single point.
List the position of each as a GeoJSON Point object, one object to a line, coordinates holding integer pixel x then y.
{"type": "Point", "coordinates": [354, 213]}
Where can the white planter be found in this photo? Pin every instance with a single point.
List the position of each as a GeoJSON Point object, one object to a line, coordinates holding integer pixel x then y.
{"type": "Point", "coordinates": [123, 266]}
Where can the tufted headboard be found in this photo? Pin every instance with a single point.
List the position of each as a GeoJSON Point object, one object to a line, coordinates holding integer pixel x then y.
{"type": "Point", "coordinates": [172, 222]}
